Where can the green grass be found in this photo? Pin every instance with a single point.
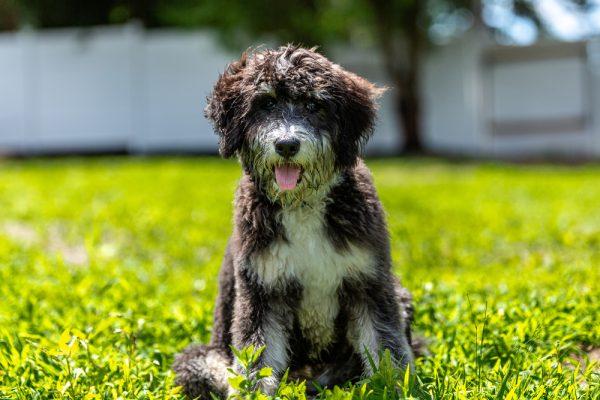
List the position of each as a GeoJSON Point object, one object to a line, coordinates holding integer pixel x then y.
{"type": "Point", "coordinates": [108, 268]}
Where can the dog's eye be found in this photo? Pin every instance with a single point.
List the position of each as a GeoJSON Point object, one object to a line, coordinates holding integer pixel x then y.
{"type": "Point", "coordinates": [312, 106]}
{"type": "Point", "coordinates": [268, 103]}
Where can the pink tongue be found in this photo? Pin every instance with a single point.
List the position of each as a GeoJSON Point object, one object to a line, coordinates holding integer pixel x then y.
{"type": "Point", "coordinates": [287, 176]}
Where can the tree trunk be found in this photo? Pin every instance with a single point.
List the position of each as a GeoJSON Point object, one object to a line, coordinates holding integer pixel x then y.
{"type": "Point", "coordinates": [410, 95]}
{"type": "Point", "coordinates": [407, 99]}
{"type": "Point", "coordinates": [403, 64]}
{"type": "Point", "coordinates": [408, 106]}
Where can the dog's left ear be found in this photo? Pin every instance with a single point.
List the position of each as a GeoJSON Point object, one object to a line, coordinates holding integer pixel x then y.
{"type": "Point", "coordinates": [357, 112]}
{"type": "Point", "coordinates": [224, 108]}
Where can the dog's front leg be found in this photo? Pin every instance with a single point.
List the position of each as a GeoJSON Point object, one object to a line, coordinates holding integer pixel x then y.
{"type": "Point", "coordinates": [375, 325]}
{"type": "Point", "coordinates": [262, 319]}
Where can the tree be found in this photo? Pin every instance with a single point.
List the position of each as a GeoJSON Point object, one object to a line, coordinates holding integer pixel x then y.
{"type": "Point", "coordinates": [402, 30]}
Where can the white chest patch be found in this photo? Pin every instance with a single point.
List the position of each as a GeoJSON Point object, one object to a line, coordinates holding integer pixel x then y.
{"type": "Point", "coordinates": [309, 258]}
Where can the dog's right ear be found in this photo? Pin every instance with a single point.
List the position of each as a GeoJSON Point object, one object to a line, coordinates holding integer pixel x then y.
{"type": "Point", "coordinates": [224, 108]}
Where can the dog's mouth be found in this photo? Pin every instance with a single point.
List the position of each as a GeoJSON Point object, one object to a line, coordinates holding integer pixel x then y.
{"type": "Point", "coordinates": [287, 176]}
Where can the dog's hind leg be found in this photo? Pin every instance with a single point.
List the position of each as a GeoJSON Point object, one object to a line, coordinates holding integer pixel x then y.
{"type": "Point", "coordinates": [202, 370]}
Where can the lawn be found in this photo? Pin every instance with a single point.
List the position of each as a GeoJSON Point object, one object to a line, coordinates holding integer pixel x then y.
{"type": "Point", "coordinates": [108, 268]}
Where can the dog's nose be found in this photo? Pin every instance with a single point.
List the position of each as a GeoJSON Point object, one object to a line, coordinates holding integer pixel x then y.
{"type": "Point", "coordinates": [287, 147]}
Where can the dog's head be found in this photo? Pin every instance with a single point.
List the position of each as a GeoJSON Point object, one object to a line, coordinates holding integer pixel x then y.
{"type": "Point", "coordinates": [293, 117]}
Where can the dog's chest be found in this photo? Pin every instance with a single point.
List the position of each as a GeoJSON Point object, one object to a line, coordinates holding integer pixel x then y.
{"type": "Point", "coordinates": [309, 258]}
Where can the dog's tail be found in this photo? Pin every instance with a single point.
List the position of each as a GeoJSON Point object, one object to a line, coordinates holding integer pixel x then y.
{"type": "Point", "coordinates": [202, 370]}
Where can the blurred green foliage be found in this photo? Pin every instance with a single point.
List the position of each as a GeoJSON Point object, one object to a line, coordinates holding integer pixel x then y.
{"type": "Point", "coordinates": [310, 22]}
{"type": "Point", "coordinates": [108, 267]}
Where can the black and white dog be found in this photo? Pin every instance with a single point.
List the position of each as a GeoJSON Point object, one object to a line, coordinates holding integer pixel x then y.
{"type": "Point", "coordinates": [307, 271]}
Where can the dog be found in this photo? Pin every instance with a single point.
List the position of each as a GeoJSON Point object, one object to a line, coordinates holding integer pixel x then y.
{"type": "Point", "coordinates": [307, 270]}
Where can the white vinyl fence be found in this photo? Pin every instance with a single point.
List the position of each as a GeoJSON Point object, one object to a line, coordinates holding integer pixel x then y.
{"type": "Point", "coordinates": [106, 89]}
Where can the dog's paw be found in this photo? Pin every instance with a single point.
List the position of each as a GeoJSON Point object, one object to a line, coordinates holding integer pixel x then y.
{"type": "Point", "coordinates": [202, 370]}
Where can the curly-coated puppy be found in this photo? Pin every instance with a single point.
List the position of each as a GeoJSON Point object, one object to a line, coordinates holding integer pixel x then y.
{"type": "Point", "coordinates": [307, 270]}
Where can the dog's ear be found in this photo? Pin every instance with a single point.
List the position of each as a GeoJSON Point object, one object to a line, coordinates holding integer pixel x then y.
{"type": "Point", "coordinates": [357, 114]}
{"type": "Point", "coordinates": [223, 108]}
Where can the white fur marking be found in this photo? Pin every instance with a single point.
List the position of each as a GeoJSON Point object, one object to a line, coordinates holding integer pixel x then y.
{"type": "Point", "coordinates": [309, 257]}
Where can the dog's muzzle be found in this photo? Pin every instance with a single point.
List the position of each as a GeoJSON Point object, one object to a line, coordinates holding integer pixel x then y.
{"type": "Point", "coordinates": [287, 175]}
